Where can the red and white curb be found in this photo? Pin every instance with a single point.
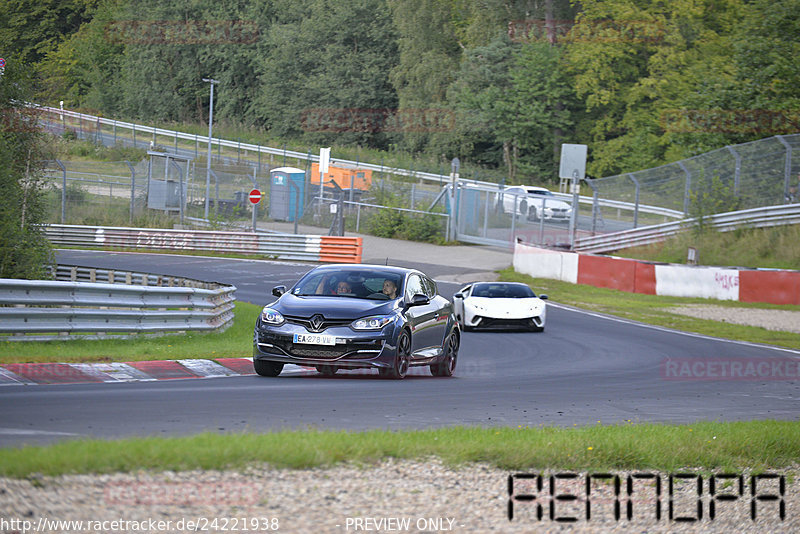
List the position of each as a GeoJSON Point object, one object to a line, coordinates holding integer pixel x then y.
{"type": "Point", "coordinates": [18, 374]}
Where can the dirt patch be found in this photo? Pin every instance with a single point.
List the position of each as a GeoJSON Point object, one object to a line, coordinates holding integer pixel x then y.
{"type": "Point", "coordinates": [778, 320]}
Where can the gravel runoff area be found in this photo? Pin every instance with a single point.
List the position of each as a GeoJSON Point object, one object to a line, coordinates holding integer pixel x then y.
{"type": "Point", "coordinates": [781, 320]}
{"type": "Point", "coordinates": [390, 496]}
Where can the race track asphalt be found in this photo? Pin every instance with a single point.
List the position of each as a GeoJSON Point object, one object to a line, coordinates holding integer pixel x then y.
{"type": "Point", "coordinates": [583, 369]}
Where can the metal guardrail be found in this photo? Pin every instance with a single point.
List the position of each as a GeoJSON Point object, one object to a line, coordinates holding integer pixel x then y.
{"type": "Point", "coordinates": [275, 246]}
{"type": "Point", "coordinates": [112, 304]}
{"type": "Point", "coordinates": [427, 176]}
{"type": "Point", "coordinates": [723, 222]}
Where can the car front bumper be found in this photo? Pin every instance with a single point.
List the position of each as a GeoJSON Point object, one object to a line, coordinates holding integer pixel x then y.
{"type": "Point", "coordinates": [353, 349]}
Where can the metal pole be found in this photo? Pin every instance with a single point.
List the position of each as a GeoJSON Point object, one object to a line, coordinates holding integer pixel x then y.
{"type": "Point", "coordinates": [210, 129]}
{"type": "Point", "coordinates": [737, 170]}
{"type": "Point", "coordinates": [541, 221]}
{"type": "Point", "coordinates": [63, 191]}
{"type": "Point", "coordinates": [687, 188]}
{"type": "Point", "coordinates": [636, 204]}
{"type": "Point", "coordinates": [133, 189]}
{"type": "Point", "coordinates": [573, 220]}
{"type": "Point", "coordinates": [787, 170]}
{"type": "Point", "coordinates": [180, 187]}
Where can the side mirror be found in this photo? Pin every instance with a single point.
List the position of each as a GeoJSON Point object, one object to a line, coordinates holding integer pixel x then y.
{"type": "Point", "coordinates": [458, 296]}
{"type": "Point", "coordinates": [419, 300]}
{"type": "Point", "coordinates": [543, 297]}
{"type": "Point", "coordinates": [278, 290]}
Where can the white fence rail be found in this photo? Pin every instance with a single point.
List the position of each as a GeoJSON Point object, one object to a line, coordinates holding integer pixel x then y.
{"type": "Point", "coordinates": [723, 222]}
{"type": "Point", "coordinates": [113, 303]}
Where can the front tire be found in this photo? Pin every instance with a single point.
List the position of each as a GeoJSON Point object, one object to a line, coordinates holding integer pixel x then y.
{"type": "Point", "coordinates": [265, 368]}
{"type": "Point", "coordinates": [448, 364]}
{"type": "Point", "coordinates": [399, 368]}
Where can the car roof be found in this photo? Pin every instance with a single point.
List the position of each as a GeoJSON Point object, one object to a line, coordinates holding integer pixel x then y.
{"type": "Point", "coordinates": [388, 269]}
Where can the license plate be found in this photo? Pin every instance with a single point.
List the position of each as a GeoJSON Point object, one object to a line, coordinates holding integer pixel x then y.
{"type": "Point", "coordinates": [314, 339]}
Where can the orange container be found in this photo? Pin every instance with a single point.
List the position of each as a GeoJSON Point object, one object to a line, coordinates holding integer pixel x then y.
{"type": "Point", "coordinates": [343, 176]}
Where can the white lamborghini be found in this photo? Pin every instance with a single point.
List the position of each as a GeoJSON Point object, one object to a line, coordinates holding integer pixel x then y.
{"type": "Point", "coordinates": [499, 305]}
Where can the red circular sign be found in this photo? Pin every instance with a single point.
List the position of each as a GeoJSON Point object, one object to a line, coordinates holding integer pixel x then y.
{"type": "Point", "coordinates": [2, 63]}
{"type": "Point", "coordinates": [254, 196]}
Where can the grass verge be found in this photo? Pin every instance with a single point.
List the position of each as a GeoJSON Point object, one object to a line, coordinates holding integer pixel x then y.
{"type": "Point", "coordinates": [757, 445]}
{"type": "Point", "coordinates": [654, 309]}
{"type": "Point", "coordinates": [235, 342]}
{"type": "Point", "coordinates": [776, 248]}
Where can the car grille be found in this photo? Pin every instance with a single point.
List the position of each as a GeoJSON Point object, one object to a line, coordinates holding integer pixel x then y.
{"type": "Point", "coordinates": [490, 322]}
{"type": "Point", "coordinates": [326, 323]}
{"type": "Point", "coordinates": [352, 349]}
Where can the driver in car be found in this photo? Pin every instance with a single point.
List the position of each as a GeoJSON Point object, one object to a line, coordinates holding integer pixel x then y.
{"type": "Point", "coordinates": [389, 289]}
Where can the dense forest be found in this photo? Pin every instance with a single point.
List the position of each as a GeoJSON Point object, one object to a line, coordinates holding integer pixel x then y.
{"type": "Point", "coordinates": [501, 83]}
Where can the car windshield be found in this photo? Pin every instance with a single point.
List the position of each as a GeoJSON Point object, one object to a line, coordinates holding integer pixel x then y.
{"type": "Point", "coordinates": [504, 291]}
{"type": "Point", "coordinates": [537, 192]}
{"type": "Point", "coordinates": [356, 283]}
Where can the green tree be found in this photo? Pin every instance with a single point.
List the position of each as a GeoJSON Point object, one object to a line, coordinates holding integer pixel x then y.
{"type": "Point", "coordinates": [29, 29]}
{"type": "Point", "coordinates": [24, 251]}
{"type": "Point", "coordinates": [325, 71]}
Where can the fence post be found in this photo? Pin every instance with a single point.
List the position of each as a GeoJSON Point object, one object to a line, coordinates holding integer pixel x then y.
{"type": "Point", "coordinates": [133, 189]}
{"type": "Point", "coordinates": [687, 189]}
{"type": "Point", "coordinates": [636, 202]}
{"type": "Point", "coordinates": [63, 191]}
{"type": "Point", "coordinates": [180, 186]}
{"type": "Point", "coordinates": [595, 202]}
{"type": "Point", "coordinates": [737, 170]}
{"type": "Point", "coordinates": [787, 170]}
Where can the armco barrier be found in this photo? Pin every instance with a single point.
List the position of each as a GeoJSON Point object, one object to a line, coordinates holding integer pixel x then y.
{"type": "Point", "coordinates": [126, 304]}
{"type": "Point", "coordinates": [633, 276]}
{"type": "Point", "coordinates": [276, 246]}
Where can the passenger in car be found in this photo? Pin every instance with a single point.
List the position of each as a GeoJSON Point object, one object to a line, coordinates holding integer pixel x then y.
{"type": "Point", "coordinates": [343, 288]}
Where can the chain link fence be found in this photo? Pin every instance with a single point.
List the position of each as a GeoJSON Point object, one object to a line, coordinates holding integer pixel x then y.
{"type": "Point", "coordinates": [759, 173]}
{"type": "Point", "coordinates": [748, 175]}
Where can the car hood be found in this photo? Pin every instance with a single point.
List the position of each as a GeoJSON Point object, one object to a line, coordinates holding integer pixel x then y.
{"type": "Point", "coordinates": [519, 304]}
{"type": "Point", "coordinates": [332, 307]}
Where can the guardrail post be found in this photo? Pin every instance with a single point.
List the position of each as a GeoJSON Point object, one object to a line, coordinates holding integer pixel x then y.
{"type": "Point", "coordinates": [737, 170]}
{"type": "Point", "coordinates": [787, 170]}
{"type": "Point", "coordinates": [687, 189]}
{"type": "Point", "coordinates": [636, 202]}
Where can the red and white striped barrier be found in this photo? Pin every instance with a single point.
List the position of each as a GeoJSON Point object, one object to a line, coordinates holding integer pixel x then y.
{"type": "Point", "coordinates": [326, 249]}
{"type": "Point", "coordinates": [723, 283]}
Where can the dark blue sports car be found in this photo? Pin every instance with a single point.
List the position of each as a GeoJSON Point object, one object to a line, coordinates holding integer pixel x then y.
{"type": "Point", "coordinates": [358, 316]}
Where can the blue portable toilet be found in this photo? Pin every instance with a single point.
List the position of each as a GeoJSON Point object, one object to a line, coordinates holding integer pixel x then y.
{"type": "Point", "coordinates": [287, 187]}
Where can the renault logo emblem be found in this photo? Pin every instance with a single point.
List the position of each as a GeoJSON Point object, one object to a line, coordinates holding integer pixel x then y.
{"type": "Point", "coordinates": [316, 322]}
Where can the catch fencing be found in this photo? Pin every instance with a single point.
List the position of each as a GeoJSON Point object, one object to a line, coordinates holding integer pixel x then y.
{"type": "Point", "coordinates": [90, 303]}
{"type": "Point", "coordinates": [748, 175]}
{"type": "Point", "coordinates": [752, 218]}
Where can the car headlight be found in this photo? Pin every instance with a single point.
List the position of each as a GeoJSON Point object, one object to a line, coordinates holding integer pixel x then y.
{"type": "Point", "coordinates": [270, 316]}
{"type": "Point", "coordinates": [376, 322]}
